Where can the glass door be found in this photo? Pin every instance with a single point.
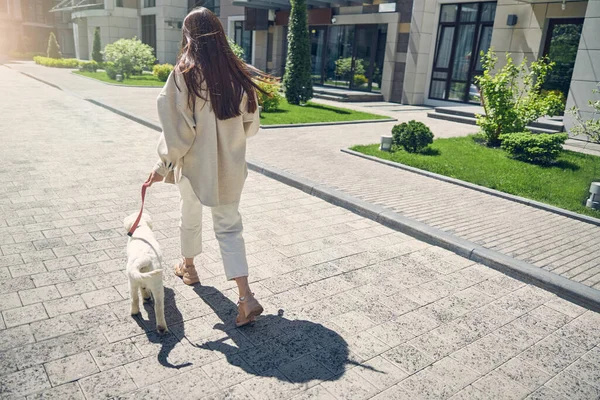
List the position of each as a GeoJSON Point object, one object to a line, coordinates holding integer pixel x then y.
{"type": "Point", "coordinates": [338, 67]}
{"type": "Point", "coordinates": [465, 30]}
{"type": "Point", "coordinates": [367, 60]}
{"type": "Point", "coordinates": [562, 42]}
{"type": "Point", "coordinates": [318, 52]}
{"type": "Point", "coordinates": [352, 58]}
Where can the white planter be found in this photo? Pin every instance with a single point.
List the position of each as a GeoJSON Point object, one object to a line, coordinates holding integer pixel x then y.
{"type": "Point", "coordinates": [594, 200]}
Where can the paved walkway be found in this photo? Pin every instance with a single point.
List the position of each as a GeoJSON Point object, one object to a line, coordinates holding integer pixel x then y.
{"type": "Point", "coordinates": [353, 310]}
{"type": "Point", "coordinates": [559, 244]}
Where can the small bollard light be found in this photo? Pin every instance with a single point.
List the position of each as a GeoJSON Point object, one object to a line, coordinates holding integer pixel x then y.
{"type": "Point", "coordinates": [594, 200]}
{"type": "Point", "coordinates": [119, 78]}
{"type": "Point", "coordinates": [386, 143]}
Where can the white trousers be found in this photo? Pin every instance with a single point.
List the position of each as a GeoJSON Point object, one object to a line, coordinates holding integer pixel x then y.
{"type": "Point", "coordinates": [227, 223]}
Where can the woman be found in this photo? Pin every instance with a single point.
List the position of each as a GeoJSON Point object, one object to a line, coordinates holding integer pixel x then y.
{"type": "Point", "coordinates": [207, 109]}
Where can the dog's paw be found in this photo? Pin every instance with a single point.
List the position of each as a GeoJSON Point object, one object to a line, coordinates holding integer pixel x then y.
{"type": "Point", "coordinates": [162, 329]}
{"type": "Point", "coordinates": [135, 311]}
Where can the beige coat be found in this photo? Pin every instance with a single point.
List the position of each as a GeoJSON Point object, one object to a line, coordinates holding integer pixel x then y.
{"type": "Point", "coordinates": [210, 152]}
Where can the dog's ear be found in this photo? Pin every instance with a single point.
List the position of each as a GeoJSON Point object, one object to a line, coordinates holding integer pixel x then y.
{"type": "Point", "coordinates": [128, 222]}
{"type": "Point", "coordinates": [147, 219]}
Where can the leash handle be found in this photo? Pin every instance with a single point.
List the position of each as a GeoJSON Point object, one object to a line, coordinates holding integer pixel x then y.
{"type": "Point", "coordinates": [139, 217]}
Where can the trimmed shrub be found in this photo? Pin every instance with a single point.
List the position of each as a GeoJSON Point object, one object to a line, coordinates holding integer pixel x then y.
{"type": "Point", "coordinates": [297, 80]}
{"type": "Point", "coordinates": [360, 80]}
{"type": "Point", "coordinates": [89, 66]}
{"type": "Point", "coordinates": [111, 70]}
{"type": "Point", "coordinates": [162, 71]}
{"type": "Point", "coordinates": [53, 47]}
{"type": "Point", "coordinates": [97, 47]}
{"type": "Point", "coordinates": [56, 62]}
{"type": "Point", "coordinates": [541, 148]}
{"type": "Point", "coordinates": [270, 100]}
{"type": "Point", "coordinates": [413, 136]}
{"type": "Point", "coordinates": [130, 56]}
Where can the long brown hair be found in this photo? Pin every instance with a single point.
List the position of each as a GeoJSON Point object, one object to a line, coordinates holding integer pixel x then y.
{"type": "Point", "coordinates": [206, 61]}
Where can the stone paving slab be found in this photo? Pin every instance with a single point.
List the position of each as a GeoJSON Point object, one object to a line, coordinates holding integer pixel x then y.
{"type": "Point", "coordinates": [354, 310]}
{"type": "Point", "coordinates": [540, 238]}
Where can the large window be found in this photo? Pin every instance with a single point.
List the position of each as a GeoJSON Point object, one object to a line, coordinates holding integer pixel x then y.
{"type": "Point", "coordinates": [465, 30]}
{"type": "Point", "coordinates": [149, 3]}
{"type": "Point", "coordinates": [243, 38]}
{"type": "Point", "coordinates": [149, 31]}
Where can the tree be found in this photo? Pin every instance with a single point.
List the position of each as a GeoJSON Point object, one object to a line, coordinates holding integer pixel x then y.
{"type": "Point", "coordinates": [297, 80]}
{"type": "Point", "coordinates": [512, 96]}
{"type": "Point", "coordinates": [129, 56]}
{"type": "Point", "coordinates": [53, 47]}
{"type": "Point", "coordinates": [97, 46]}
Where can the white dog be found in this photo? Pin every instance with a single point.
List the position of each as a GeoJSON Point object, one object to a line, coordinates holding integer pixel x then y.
{"type": "Point", "coordinates": [144, 269]}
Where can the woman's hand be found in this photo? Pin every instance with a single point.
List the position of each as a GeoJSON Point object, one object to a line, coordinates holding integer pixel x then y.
{"type": "Point", "coordinates": [154, 177]}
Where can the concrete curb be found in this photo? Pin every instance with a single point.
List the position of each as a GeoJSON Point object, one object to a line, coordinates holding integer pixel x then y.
{"type": "Point", "coordinates": [139, 120]}
{"type": "Point", "coordinates": [361, 121]}
{"type": "Point", "coordinates": [517, 199]}
{"type": "Point", "coordinates": [573, 291]}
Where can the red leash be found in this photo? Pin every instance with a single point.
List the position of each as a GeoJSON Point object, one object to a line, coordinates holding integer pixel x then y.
{"type": "Point", "coordinates": [139, 217]}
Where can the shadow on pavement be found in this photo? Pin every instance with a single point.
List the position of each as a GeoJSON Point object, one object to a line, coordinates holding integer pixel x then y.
{"type": "Point", "coordinates": [167, 341]}
{"type": "Point", "coordinates": [301, 350]}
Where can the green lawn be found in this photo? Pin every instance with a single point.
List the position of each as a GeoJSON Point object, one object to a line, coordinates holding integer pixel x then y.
{"type": "Point", "coordinates": [563, 185]}
{"type": "Point", "coordinates": [311, 113]}
{"type": "Point", "coordinates": [142, 80]}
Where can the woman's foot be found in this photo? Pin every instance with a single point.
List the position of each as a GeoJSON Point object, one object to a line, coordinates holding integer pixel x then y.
{"type": "Point", "coordinates": [248, 309]}
{"type": "Point", "coordinates": [187, 272]}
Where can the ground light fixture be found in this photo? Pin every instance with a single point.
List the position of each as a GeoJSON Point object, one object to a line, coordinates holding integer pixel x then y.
{"type": "Point", "coordinates": [594, 200]}
{"type": "Point", "coordinates": [386, 144]}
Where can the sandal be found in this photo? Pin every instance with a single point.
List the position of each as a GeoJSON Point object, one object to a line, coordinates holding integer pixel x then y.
{"type": "Point", "coordinates": [187, 272]}
{"type": "Point", "coordinates": [248, 309]}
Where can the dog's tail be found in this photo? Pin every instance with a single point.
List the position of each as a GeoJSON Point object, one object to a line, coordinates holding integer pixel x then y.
{"type": "Point", "coordinates": [136, 275]}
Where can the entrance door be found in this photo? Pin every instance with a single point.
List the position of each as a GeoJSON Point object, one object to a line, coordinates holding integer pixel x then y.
{"type": "Point", "coordinates": [562, 42]}
{"type": "Point", "coordinates": [353, 56]}
{"type": "Point", "coordinates": [367, 62]}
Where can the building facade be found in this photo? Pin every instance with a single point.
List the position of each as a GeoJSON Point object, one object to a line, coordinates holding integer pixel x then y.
{"type": "Point", "coordinates": [155, 22]}
{"type": "Point", "coordinates": [427, 51]}
{"type": "Point", "coordinates": [25, 26]}
{"type": "Point", "coordinates": [409, 51]}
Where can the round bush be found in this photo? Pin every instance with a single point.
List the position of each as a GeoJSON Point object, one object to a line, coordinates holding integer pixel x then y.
{"type": "Point", "coordinates": [162, 71]}
{"type": "Point", "coordinates": [130, 56]}
{"type": "Point", "coordinates": [413, 136]}
{"type": "Point", "coordinates": [542, 148]}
